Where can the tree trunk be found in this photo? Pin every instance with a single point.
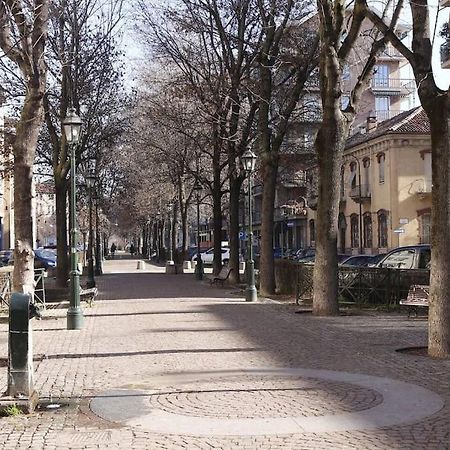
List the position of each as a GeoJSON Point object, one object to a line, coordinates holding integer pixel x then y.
{"type": "Point", "coordinates": [330, 143]}
{"type": "Point", "coordinates": [217, 227]}
{"type": "Point", "coordinates": [235, 188]}
{"type": "Point", "coordinates": [62, 268]}
{"type": "Point", "coordinates": [439, 310]}
{"type": "Point", "coordinates": [24, 146]}
{"type": "Point", "coordinates": [266, 265]}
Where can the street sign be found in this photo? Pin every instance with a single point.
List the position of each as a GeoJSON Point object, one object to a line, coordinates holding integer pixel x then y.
{"type": "Point", "coordinates": [290, 224]}
{"type": "Point", "coordinates": [242, 235]}
{"type": "Point", "coordinates": [399, 230]}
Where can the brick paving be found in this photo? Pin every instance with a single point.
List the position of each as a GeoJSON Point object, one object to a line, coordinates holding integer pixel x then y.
{"type": "Point", "coordinates": [148, 329]}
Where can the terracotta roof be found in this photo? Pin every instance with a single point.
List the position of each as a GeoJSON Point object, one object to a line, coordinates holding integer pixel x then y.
{"type": "Point", "coordinates": [414, 121]}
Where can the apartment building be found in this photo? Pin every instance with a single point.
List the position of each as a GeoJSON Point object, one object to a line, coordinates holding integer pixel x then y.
{"type": "Point", "coordinates": [392, 91]}
{"type": "Point", "coordinates": [385, 186]}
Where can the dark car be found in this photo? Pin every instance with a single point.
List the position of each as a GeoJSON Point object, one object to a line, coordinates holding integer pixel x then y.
{"type": "Point", "coordinates": [5, 256]}
{"type": "Point", "coordinates": [43, 258]}
{"type": "Point", "coordinates": [409, 257]}
{"type": "Point", "coordinates": [359, 260]}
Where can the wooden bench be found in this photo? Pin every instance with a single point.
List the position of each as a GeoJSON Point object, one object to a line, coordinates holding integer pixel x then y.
{"type": "Point", "coordinates": [88, 295]}
{"type": "Point", "coordinates": [418, 295]}
{"type": "Point", "coordinates": [222, 276]}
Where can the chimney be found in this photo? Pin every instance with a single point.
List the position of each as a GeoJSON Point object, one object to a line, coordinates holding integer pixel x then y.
{"type": "Point", "coordinates": [371, 122]}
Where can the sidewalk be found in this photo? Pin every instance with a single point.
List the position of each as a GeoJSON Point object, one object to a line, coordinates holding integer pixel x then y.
{"type": "Point", "coordinates": [167, 362]}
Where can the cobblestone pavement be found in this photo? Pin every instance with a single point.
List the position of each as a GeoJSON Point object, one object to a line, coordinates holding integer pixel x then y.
{"type": "Point", "coordinates": [187, 349]}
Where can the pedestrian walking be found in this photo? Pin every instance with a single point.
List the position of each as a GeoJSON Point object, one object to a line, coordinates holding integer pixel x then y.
{"type": "Point", "coordinates": [113, 250]}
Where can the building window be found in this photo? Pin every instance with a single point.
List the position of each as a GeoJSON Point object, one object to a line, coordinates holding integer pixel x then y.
{"type": "Point", "coordinates": [425, 228]}
{"type": "Point", "coordinates": [312, 231]}
{"type": "Point", "coordinates": [382, 230]}
{"type": "Point", "coordinates": [381, 163]}
{"type": "Point", "coordinates": [354, 230]}
{"type": "Point", "coordinates": [342, 225]}
{"type": "Point", "coordinates": [382, 107]}
{"type": "Point", "coordinates": [381, 76]}
{"type": "Point", "coordinates": [367, 225]}
{"type": "Point", "coordinates": [353, 174]}
{"type": "Point", "coordinates": [342, 181]}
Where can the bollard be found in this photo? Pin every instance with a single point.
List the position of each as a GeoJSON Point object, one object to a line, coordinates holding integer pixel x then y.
{"type": "Point", "coordinates": [20, 390]}
{"type": "Point", "coordinates": [140, 265]}
{"type": "Point", "coordinates": [187, 265]}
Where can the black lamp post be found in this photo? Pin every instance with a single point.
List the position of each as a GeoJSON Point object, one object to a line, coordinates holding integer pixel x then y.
{"type": "Point", "coordinates": [199, 265]}
{"type": "Point", "coordinates": [98, 243]}
{"type": "Point", "coordinates": [72, 128]}
{"type": "Point", "coordinates": [170, 263]}
{"type": "Point", "coordinates": [90, 181]}
{"type": "Point", "coordinates": [249, 162]}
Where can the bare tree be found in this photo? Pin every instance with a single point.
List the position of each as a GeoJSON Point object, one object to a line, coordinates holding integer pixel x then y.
{"type": "Point", "coordinates": [287, 58]}
{"type": "Point", "coordinates": [84, 73]}
{"type": "Point", "coordinates": [436, 104]}
{"type": "Point", "coordinates": [23, 33]}
{"type": "Point", "coordinates": [339, 36]}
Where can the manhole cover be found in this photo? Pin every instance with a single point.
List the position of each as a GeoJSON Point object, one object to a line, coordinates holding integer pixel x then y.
{"type": "Point", "coordinates": [3, 362]}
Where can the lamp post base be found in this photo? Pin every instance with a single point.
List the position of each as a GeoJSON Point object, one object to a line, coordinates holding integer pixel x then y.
{"type": "Point", "coordinates": [171, 268]}
{"type": "Point", "coordinates": [75, 318]}
{"type": "Point", "coordinates": [199, 271]}
{"type": "Point", "coordinates": [251, 294]}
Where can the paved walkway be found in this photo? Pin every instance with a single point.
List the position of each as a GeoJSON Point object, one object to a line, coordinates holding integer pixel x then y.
{"type": "Point", "coordinates": [166, 362]}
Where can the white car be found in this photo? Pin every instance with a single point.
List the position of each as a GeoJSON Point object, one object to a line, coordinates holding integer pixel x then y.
{"type": "Point", "coordinates": [208, 256]}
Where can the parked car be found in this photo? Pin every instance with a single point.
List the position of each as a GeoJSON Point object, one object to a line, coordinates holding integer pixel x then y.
{"type": "Point", "coordinates": [359, 260]}
{"type": "Point", "coordinates": [43, 258]}
{"type": "Point", "coordinates": [5, 256]}
{"type": "Point", "coordinates": [208, 256]}
{"type": "Point", "coordinates": [409, 257]}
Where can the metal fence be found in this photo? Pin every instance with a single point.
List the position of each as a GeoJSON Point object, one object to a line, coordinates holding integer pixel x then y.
{"type": "Point", "coordinates": [365, 285]}
{"type": "Point", "coordinates": [39, 287]}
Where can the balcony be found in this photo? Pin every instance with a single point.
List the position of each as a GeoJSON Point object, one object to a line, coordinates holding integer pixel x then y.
{"type": "Point", "coordinates": [392, 86]}
{"type": "Point", "coordinates": [445, 54]}
{"type": "Point", "coordinates": [386, 115]}
{"type": "Point", "coordinates": [390, 53]}
{"type": "Point", "coordinates": [361, 193]}
{"type": "Point", "coordinates": [422, 188]}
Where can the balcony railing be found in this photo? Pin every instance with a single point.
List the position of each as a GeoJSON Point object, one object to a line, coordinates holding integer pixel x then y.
{"type": "Point", "coordinates": [445, 54]}
{"type": "Point", "coordinates": [422, 187]}
{"type": "Point", "coordinates": [394, 86]}
{"type": "Point", "coordinates": [360, 193]}
{"type": "Point", "coordinates": [312, 201]}
{"type": "Point", "coordinates": [385, 115]}
{"type": "Point", "coordinates": [390, 52]}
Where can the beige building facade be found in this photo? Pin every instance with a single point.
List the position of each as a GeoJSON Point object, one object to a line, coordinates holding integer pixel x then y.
{"type": "Point", "coordinates": [385, 187]}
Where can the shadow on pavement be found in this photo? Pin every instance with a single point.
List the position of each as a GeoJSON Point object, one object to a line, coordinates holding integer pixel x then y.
{"type": "Point", "coordinates": [151, 352]}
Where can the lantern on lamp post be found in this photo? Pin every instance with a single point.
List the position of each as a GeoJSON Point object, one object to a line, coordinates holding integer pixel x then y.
{"type": "Point", "coordinates": [249, 163]}
{"type": "Point", "coordinates": [72, 129]}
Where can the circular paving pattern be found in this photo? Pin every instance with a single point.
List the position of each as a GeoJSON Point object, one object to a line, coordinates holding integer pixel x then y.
{"type": "Point", "coordinates": [266, 402]}
{"type": "Point", "coordinates": [258, 397]}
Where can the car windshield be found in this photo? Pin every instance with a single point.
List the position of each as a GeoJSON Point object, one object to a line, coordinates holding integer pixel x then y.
{"type": "Point", "coordinates": [45, 253]}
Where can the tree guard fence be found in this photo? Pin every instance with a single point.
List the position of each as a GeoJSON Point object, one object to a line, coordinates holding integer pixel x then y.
{"type": "Point", "coordinates": [364, 285]}
{"type": "Point", "coordinates": [6, 283]}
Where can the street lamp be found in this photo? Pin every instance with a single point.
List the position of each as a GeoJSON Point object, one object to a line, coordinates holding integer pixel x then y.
{"type": "Point", "coordinates": [98, 243]}
{"type": "Point", "coordinates": [72, 128]}
{"type": "Point", "coordinates": [249, 162]}
{"type": "Point", "coordinates": [170, 263]}
{"type": "Point", "coordinates": [199, 266]}
{"type": "Point", "coordinates": [90, 181]}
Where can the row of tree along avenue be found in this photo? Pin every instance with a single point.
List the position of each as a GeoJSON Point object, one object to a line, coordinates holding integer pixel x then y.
{"type": "Point", "coordinates": [219, 78]}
